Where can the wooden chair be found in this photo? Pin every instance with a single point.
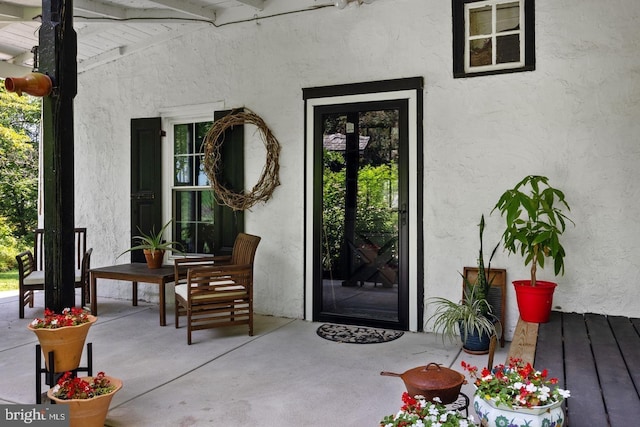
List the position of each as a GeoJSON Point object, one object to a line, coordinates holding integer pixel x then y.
{"type": "Point", "coordinates": [243, 252]}
{"type": "Point", "coordinates": [201, 312]}
{"type": "Point", "coordinates": [29, 280]}
{"type": "Point", "coordinates": [79, 254]}
{"type": "Point", "coordinates": [84, 283]}
{"type": "Point", "coordinates": [216, 296]}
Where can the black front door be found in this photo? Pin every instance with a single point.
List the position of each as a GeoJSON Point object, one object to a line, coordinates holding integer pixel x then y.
{"type": "Point", "coordinates": [360, 219]}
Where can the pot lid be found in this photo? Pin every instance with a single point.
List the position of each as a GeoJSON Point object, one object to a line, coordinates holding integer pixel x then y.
{"type": "Point", "coordinates": [433, 377]}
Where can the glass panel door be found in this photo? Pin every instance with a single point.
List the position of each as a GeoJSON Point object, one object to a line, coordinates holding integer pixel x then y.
{"type": "Point", "coordinates": [363, 195]}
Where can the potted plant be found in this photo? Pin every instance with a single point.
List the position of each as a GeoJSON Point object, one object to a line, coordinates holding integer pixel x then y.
{"type": "Point", "coordinates": [472, 317]}
{"type": "Point", "coordinates": [417, 411]}
{"type": "Point", "coordinates": [63, 334]}
{"type": "Point", "coordinates": [153, 246]}
{"type": "Point", "coordinates": [517, 394]}
{"type": "Point", "coordinates": [88, 397]}
{"type": "Point", "coordinates": [533, 211]}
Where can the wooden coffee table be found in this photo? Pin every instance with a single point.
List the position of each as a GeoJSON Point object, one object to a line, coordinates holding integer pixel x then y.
{"type": "Point", "coordinates": [134, 273]}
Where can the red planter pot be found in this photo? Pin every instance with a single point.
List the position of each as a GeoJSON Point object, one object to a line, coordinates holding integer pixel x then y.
{"type": "Point", "coordinates": [534, 302]}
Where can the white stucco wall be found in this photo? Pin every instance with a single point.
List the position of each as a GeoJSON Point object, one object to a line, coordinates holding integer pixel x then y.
{"type": "Point", "coordinates": [574, 119]}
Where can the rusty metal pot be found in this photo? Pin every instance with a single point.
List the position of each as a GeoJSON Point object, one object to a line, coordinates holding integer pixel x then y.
{"type": "Point", "coordinates": [432, 381]}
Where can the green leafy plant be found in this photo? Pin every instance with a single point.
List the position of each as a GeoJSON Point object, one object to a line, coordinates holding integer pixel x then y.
{"type": "Point", "coordinates": [470, 315]}
{"type": "Point", "coordinates": [516, 385]}
{"type": "Point", "coordinates": [153, 241]}
{"type": "Point", "coordinates": [473, 313]}
{"type": "Point", "coordinates": [534, 222]}
{"type": "Point", "coordinates": [418, 412]}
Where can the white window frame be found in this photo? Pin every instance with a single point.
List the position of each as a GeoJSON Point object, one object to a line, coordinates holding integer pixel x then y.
{"type": "Point", "coordinates": [170, 117]}
{"type": "Point", "coordinates": [468, 7]}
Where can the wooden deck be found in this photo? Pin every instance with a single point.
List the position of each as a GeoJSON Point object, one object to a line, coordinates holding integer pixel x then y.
{"type": "Point", "coordinates": [596, 357]}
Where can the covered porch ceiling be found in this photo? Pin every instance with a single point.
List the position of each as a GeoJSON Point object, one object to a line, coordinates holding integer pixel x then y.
{"type": "Point", "coordinates": [111, 29]}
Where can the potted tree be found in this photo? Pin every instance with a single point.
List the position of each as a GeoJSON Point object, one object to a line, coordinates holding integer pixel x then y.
{"type": "Point", "coordinates": [533, 211]}
{"type": "Point", "coordinates": [472, 317]}
{"type": "Point", "coordinates": [153, 246]}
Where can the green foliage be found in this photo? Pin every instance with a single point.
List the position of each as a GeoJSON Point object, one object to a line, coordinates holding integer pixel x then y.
{"type": "Point", "coordinates": [19, 133]}
{"type": "Point", "coordinates": [376, 195]}
{"type": "Point", "coordinates": [9, 246]}
{"type": "Point", "coordinates": [534, 222]}
{"type": "Point", "coordinates": [473, 312]}
{"type": "Point", "coordinates": [153, 241]}
{"type": "Point", "coordinates": [470, 314]}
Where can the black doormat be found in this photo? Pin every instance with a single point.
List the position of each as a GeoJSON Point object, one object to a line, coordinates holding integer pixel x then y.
{"type": "Point", "coordinates": [356, 334]}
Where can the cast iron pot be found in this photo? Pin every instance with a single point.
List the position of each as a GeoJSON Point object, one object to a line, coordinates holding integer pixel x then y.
{"type": "Point", "coordinates": [432, 381]}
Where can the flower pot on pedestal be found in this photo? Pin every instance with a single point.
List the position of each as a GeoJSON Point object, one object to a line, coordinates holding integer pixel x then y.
{"type": "Point", "coordinates": [66, 342]}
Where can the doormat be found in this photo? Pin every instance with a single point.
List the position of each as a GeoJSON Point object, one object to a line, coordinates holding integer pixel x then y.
{"type": "Point", "coordinates": [356, 334]}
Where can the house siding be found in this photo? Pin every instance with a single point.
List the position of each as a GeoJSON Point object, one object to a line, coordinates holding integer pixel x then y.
{"type": "Point", "coordinates": [573, 119]}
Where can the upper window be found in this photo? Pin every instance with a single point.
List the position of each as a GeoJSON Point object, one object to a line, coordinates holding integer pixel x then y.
{"type": "Point", "coordinates": [492, 36]}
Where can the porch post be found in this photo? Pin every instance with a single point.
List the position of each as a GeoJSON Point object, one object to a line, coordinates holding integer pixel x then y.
{"type": "Point", "coordinates": [57, 58]}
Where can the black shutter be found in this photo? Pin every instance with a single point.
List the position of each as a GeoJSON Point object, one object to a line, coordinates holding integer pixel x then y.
{"type": "Point", "coordinates": [228, 223]}
{"type": "Point", "coordinates": [146, 178]}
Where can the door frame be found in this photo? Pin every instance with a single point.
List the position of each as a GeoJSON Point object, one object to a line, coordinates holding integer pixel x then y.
{"type": "Point", "coordinates": [410, 89]}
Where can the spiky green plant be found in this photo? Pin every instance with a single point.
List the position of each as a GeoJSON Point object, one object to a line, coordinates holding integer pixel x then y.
{"type": "Point", "coordinates": [153, 241]}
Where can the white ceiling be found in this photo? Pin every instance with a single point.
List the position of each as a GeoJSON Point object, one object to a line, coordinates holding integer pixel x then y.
{"type": "Point", "coordinates": [110, 29]}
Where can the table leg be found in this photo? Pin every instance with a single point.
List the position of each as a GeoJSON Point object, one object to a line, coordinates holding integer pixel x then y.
{"type": "Point", "coordinates": [93, 295]}
{"type": "Point", "coordinates": [135, 293]}
{"type": "Point", "coordinates": [163, 314]}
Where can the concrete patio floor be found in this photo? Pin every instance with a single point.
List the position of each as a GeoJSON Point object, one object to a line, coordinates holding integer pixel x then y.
{"type": "Point", "coordinates": [285, 375]}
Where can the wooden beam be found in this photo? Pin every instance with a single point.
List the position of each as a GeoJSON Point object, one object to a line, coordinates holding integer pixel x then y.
{"type": "Point", "coordinates": [57, 52]}
{"type": "Point", "coordinates": [523, 345]}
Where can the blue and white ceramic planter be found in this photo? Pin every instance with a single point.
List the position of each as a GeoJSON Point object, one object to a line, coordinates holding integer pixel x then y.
{"type": "Point", "coordinates": [491, 415]}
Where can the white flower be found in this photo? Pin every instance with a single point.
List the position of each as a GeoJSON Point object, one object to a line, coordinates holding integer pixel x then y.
{"type": "Point", "coordinates": [518, 385]}
{"type": "Point", "coordinates": [54, 322]}
{"type": "Point", "coordinates": [463, 423]}
{"type": "Point", "coordinates": [433, 410]}
{"type": "Point", "coordinates": [531, 388]}
{"type": "Point", "coordinates": [34, 322]}
{"type": "Point", "coordinates": [437, 399]}
{"type": "Point", "coordinates": [564, 393]}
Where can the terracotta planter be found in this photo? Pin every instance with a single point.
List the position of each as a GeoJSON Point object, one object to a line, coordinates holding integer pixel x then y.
{"type": "Point", "coordinates": [66, 343]}
{"type": "Point", "coordinates": [534, 302]}
{"type": "Point", "coordinates": [492, 415]}
{"type": "Point", "coordinates": [154, 258]}
{"type": "Point", "coordinates": [36, 84]}
{"type": "Point", "coordinates": [88, 412]}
